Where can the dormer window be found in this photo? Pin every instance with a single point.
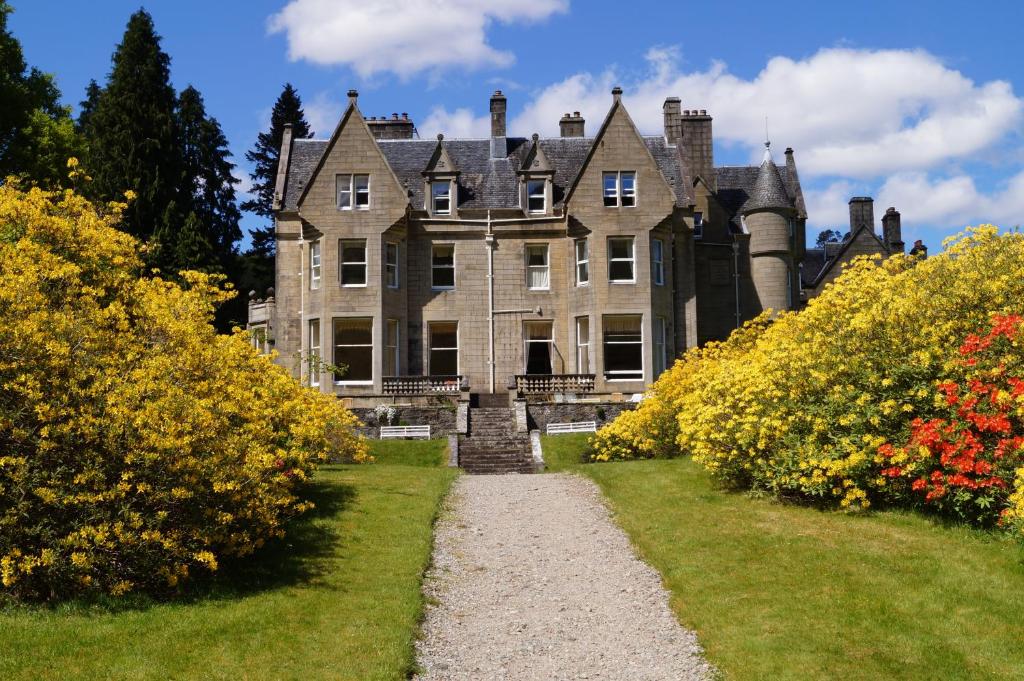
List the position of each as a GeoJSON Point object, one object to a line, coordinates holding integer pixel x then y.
{"type": "Point", "coordinates": [441, 197]}
{"type": "Point", "coordinates": [620, 189]}
{"type": "Point", "coordinates": [353, 191]}
{"type": "Point", "coordinates": [536, 196]}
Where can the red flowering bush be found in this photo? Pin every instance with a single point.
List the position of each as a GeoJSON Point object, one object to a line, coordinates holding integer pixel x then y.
{"type": "Point", "coordinates": [964, 459]}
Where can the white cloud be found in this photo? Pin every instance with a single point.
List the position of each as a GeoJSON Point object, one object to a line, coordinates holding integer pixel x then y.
{"type": "Point", "coordinates": [405, 37]}
{"type": "Point", "coordinates": [323, 113]}
{"type": "Point", "coordinates": [828, 206]}
{"type": "Point", "coordinates": [954, 201]}
{"type": "Point", "coordinates": [846, 112]}
{"type": "Point", "coordinates": [459, 123]}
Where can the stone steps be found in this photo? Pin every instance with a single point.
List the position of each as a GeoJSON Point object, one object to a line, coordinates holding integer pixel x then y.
{"type": "Point", "coordinates": [493, 446]}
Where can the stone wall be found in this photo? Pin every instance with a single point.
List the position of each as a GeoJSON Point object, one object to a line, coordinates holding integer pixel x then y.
{"type": "Point", "coordinates": [540, 415]}
{"type": "Point", "coordinates": [440, 419]}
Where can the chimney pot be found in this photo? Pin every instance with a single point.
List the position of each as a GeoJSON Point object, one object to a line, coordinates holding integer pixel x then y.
{"type": "Point", "coordinates": [703, 112]}
{"type": "Point", "coordinates": [616, 93]}
{"type": "Point", "coordinates": [576, 114]}
{"type": "Point", "coordinates": [353, 95]}
{"type": "Point", "coordinates": [405, 116]}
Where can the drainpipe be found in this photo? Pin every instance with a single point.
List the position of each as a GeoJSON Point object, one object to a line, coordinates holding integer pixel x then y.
{"type": "Point", "coordinates": [489, 240]}
{"type": "Point", "coordinates": [736, 277]}
{"type": "Point", "coordinates": [303, 324]}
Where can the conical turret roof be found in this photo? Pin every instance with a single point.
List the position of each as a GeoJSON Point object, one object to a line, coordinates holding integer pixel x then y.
{"type": "Point", "coordinates": [769, 191]}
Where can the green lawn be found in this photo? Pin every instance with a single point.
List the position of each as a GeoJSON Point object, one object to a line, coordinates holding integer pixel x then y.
{"type": "Point", "coordinates": [339, 598]}
{"type": "Point", "coordinates": [786, 592]}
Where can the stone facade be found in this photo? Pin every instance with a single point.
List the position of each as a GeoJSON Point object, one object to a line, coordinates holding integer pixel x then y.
{"type": "Point", "coordinates": [540, 415]}
{"type": "Point", "coordinates": [486, 282]}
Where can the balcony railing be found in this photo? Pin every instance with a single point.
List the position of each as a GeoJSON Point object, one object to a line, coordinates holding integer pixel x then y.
{"type": "Point", "coordinates": [423, 385]}
{"type": "Point", "coordinates": [548, 384]}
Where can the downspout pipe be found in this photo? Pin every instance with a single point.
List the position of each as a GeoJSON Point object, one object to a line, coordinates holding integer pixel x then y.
{"type": "Point", "coordinates": [489, 241]}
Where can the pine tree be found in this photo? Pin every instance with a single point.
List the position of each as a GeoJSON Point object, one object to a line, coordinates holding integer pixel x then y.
{"type": "Point", "coordinates": [257, 263]}
{"type": "Point", "coordinates": [208, 185]}
{"type": "Point", "coordinates": [87, 107]}
{"type": "Point", "coordinates": [132, 137]}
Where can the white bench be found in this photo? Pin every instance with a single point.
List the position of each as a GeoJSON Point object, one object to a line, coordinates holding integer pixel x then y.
{"type": "Point", "coordinates": [404, 431]}
{"type": "Point", "coordinates": [578, 427]}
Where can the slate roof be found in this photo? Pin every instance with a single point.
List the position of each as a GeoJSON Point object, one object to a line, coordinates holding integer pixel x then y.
{"type": "Point", "coordinates": [483, 182]}
{"type": "Point", "coordinates": [769, 191]}
{"type": "Point", "coordinates": [813, 264]}
{"type": "Point", "coordinates": [737, 184]}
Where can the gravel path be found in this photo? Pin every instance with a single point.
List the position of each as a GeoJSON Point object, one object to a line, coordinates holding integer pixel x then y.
{"type": "Point", "coordinates": [532, 580]}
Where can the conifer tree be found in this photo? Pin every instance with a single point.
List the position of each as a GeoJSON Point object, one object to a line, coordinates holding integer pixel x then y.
{"type": "Point", "coordinates": [258, 261]}
{"type": "Point", "coordinates": [133, 142]}
{"type": "Point", "coordinates": [208, 185]}
{"type": "Point", "coordinates": [87, 106]}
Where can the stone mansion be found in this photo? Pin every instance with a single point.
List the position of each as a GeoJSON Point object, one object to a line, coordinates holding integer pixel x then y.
{"type": "Point", "coordinates": [574, 265]}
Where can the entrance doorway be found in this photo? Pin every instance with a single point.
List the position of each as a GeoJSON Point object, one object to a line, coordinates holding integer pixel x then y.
{"type": "Point", "coordinates": [537, 341]}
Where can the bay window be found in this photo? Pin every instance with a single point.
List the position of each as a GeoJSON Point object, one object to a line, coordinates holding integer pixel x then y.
{"type": "Point", "coordinates": [391, 364]}
{"type": "Point", "coordinates": [352, 263]}
{"type": "Point", "coordinates": [658, 261]}
{"type": "Point", "coordinates": [313, 366]}
{"type": "Point", "coordinates": [353, 351]}
{"type": "Point", "coordinates": [623, 348]}
{"type": "Point", "coordinates": [582, 263]}
{"type": "Point", "coordinates": [583, 345]}
{"type": "Point", "coordinates": [620, 260]}
{"type": "Point", "coordinates": [314, 265]}
{"type": "Point", "coordinates": [391, 264]}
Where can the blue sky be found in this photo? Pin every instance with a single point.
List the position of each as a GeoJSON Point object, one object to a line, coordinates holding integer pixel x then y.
{"type": "Point", "coordinates": [914, 103]}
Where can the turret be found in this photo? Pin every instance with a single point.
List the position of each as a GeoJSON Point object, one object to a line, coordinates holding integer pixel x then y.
{"type": "Point", "coordinates": [769, 217]}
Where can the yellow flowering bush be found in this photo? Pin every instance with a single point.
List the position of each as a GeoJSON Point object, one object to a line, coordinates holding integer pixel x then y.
{"type": "Point", "coordinates": [800, 406]}
{"type": "Point", "coordinates": [137, 446]}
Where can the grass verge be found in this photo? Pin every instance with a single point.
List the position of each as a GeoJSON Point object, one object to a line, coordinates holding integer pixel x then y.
{"type": "Point", "coordinates": [777, 591]}
{"type": "Point", "coordinates": [339, 598]}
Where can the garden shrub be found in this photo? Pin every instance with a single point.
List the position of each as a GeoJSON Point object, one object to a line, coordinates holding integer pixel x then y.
{"type": "Point", "coordinates": [137, 446]}
{"type": "Point", "coordinates": [801, 406]}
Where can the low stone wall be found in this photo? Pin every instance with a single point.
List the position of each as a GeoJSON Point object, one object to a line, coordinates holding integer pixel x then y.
{"type": "Point", "coordinates": [540, 415]}
{"type": "Point", "coordinates": [440, 419]}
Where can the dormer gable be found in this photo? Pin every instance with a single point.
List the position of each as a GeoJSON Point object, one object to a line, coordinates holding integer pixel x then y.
{"type": "Point", "coordinates": [440, 163]}
{"type": "Point", "coordinates": [440, 183]}
{"type": "Point", "coordinates": [535, 176]}
{"type": "Point", "coordinates": [536, 161]}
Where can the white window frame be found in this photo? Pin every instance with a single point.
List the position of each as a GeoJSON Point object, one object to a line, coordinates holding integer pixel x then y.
{"type": "Point", "coordinates": [392, 349]}
{"type": "Point", "coordinates": [660, 345]}
{"type": "Point", "coordinates": [258, 338]}
{"type": "Point", "coordinates": [361, 194]}
{"type": "Point", "coordinates": [605, 342]}
{"type": "Point", "coordinates": [335, 346]}
{"type": "Point", "coordinates": [391, 267]}
{"type": "Point", "coordinates": [315, 266]}
{"type": "Point", "coordinates": [546, 267]}
{"type": "Point", "coordinates": [433, 198]}
{"type": "Point", "coordinates": [349, 185]}
{"type": "Point", "coordinates": [582, 265]}
{"type": "Point", "coordinates": [584, 324]}
{"type": "Point", "coordinates": [543, 195]}
{"type": "Point", "coordinates": [631, 259]}
{"type": "Point", "coordinates": [621, 197]}
{"type": "Point", "coordinates": [342, 263]}
{"type": "Point", "coordinates": [431, 348]}
{"type": "Point", "coordinates": [313, 365]}
{"type": "Point", "coordinates": [658, 261]}
{"type": "Point", "coordinates": [698, 225]}
{"type": "Point", "coordinates": [434, 267]}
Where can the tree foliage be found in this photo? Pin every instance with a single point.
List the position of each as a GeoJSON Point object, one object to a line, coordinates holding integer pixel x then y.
{"type": "Point", "coordinates": [36, 133]}
{"type": "Point", "coordinates": [828, 236]}
{"type": "Point", "coordinates": [137, 446]}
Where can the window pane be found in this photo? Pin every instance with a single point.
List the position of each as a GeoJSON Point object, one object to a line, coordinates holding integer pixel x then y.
{"type": "Point", "coordinates": [391, 348]}
{"type": "Point", "coordinates": [391, 264]}
{"type": "Point", "coordinates": [362, 182]}
{"type": "Point", "coordinates": [444, 255]}
{"type": "Point", "coordinates": [582, 273]}
{"type": "Point", "coordinates": [611, 189]}
{"type": "Point", "coordinates": [353, 251]}
{"type": "Point", "coordinates": [620, 248]}
{"type": "Point", "coordinates": [444, 354]}
{"type": "Point", "coordinates": [444, 278]}
{"type": "Point", "coordinates": [353, 349]}
{"type": "Point", "coordinates": [537, 277]}
{"type": "Point", "coordinates": [535, 196]}
{"type": "Point", "coordinates": [623, 351]}
{"type": "Point", "coordinates": [444, 335]}
{"type": "Point", "coordinates": [443, 266]}
{"type": "Point", "coordinates": [537, 255]}
{"type": "Point", "coordinates": [628, 183]}
{"type": "Point", "coordinates": [582, 345]}
{"type": "Point", "coordinates": [344, 184]}
{"type": "Point", "coordinates": [621, 270]}
{"type": "Point", "coordinates": [441, 193]}
{"type": "Point", "coordinates": [444, 362]}
{"type": "Point", "coordinates": [353, 275]}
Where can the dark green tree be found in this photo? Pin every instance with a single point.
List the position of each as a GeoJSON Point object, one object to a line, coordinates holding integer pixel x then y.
{"type": "Point", "coordinates": [36, 133]}
{"type": "Point", "coordinates": [208, 185]}
{"type": "Point", "coordinates": [133, 142]}
{"type": "Point", "coordinates": [87, 107]}
{"type": "Point", "coordinates": [828, 236]}
{"type": "Point", "coordinates": [258, 261]}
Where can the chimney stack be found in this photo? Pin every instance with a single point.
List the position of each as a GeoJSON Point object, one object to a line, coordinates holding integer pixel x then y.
{"type": "Point", "coordinates": [499, 147]}
{"type": "Point", "coordinates": [394, 128]}
{"type": "Point", "coordinates": [862, 212]}
{"type": "Point", "coordinates": [353, 95]}
{"type": "Point", "coordinates": [892, 233]}
{"type": "Point", "coordinates": [673, 120]}
{"type": "Point", "coordinates": [571, 125]}
{"type": "Point", "coordinates": [696, 139]}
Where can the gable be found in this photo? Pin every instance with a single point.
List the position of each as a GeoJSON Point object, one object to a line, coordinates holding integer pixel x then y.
{"type": "Point", "coordinates": [352, 149]}
{"type": "Point", "coordinates": [619, 146]}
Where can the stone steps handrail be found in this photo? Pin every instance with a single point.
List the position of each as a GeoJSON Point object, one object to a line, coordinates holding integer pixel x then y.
{"type": "Point", "coordinates": [546, 384]}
